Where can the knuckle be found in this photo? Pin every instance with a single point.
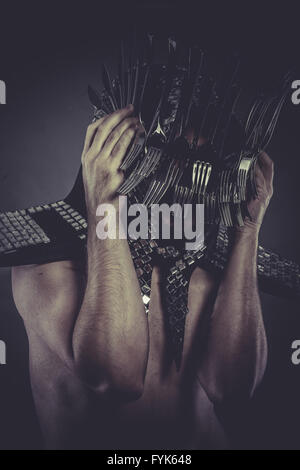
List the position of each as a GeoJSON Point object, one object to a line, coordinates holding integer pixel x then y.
{"type": "Point", "coordinates": [118, 179]}
{"type": "Point", "coordinates": [118, 147]}
{"type": "Point", "coordinates": [112, 136]}
{"type": "Point", "coordinates": [127, 109]}
{"type": "Point", "coordinates": [93, 125]}
{"type": "Point", "coordinates": [84, 162]}
{"type": "Point", "coordinates": [121, 177]}
{"type": "Point", "coordinates": [89, 131]}
{"type": "Point", "coordinates": [131, 121]}
{"type": "Point", "coordinates": [99, 122]}
{"type": "Point", "coordinates": [123, 112]}
{"type": "Point", "coordinates": [129, 133]}
{"type": "Point", "coordinates": [100, 127]}
{"type": "Point", "coordinates": [107, 168]}
{"type": "Point", "coordinates": [103, 175]}
{"type": "Point", "coordinates": [106, 175]}
{"type": "Point", "coordinates": [118, 113]}
{"type": "Point", "coordinates": [123, 143]}
{"type": "Point", "coordinates": [84, 156]}
{"type": "Point", "coordinates": [88, 156]}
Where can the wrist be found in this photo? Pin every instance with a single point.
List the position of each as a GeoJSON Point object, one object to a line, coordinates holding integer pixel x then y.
{"type": "Point", "coordinates": [250, 227]}
{"type": "Point", "coordinates": [106, 224]}
{"type": "Point", "coordinates": [247, 234]}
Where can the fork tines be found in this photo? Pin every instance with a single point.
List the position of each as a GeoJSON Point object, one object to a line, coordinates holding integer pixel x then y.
{"type": "Point", "coordinates": [142, 170]}
{"type": "Point", "coordinates": [165, 176]}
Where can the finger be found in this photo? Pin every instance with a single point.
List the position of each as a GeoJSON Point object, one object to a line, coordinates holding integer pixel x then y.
{"type": "Point", "coordinates": [90, 133]}
{"type": "Point", "coordinates": [117, 133]}
{"type": "Point", "coordinates": [122, 146]}
{"type": "Point", "coordinates": [106, 127]}
{"type": "Point", "coordinates": [258, 173]}
{"type": "Point", "coordinates": [267, 167]}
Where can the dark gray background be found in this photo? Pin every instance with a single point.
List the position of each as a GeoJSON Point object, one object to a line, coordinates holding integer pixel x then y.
{"type": "Point", "coordinates": [48, 55]}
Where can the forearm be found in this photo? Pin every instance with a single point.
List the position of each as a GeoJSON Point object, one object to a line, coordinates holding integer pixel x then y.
{"type": "Point", "coordinates": [110, 340]}
{"type": "Point", "coordinates": [236, 353]}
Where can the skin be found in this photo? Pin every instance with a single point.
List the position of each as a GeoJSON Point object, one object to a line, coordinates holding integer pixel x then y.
{"type": "Point", "coordinates": [99, 367]}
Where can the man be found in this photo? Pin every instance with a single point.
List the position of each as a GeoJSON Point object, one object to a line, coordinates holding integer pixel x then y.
{"type": "Point", "coordinates": [100, 369]}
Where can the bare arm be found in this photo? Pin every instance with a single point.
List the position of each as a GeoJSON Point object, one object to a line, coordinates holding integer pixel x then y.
{"type": "Point", "coordinates": [110, 340]}
{"type": "Point", "coordinates": [236, 354]}
{"type": "Point", "coordinates": [102, 333]}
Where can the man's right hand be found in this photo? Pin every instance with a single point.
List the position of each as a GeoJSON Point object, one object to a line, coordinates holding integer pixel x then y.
{"type": "Point", "coordinates": [106, 143]}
